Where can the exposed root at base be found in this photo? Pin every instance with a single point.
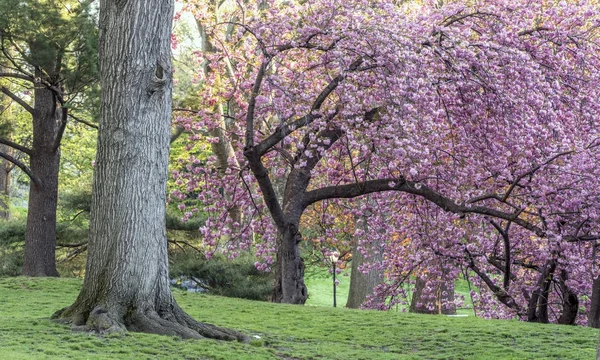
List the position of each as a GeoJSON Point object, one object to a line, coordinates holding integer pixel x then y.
{"type": "Point", "coordinates": [173, 323]}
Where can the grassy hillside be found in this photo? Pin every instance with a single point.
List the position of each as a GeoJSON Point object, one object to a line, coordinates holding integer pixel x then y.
{"type": "Point", "coordinates": [286, 332]}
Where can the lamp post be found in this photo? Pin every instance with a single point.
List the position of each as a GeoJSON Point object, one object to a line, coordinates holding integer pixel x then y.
{"type": "Point", "coordinates": [334, 258]}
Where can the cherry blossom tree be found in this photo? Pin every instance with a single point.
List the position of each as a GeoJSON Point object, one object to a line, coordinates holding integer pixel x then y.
{"type": "Point", "coordinates": [473, 127]}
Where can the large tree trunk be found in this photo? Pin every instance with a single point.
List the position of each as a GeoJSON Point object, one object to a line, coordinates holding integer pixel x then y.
{"type": "Point", "coordinates": [126, 282]}
{"type": "Point", "coordinates": [289, 280]}
{"type": "Point", "coordinates": [40, 238]}
{"type": "Point", "coordinates": [361, 285]}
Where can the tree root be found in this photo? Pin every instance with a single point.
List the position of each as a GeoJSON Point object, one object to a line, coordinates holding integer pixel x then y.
{"type": "Point", "coordinates": [172, 323]}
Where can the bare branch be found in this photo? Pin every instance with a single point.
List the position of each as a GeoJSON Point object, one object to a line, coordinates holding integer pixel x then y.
{"type": "Point", "coordinates": [15, 146]}
{"type": "Point", "coordinates": [79, 120]}
{"type": "Point", "coordinates": [23, 167]}
{"type": "Point", "coordinates": [16, 76]}
{"type": "Point", "coordinates": [17, 99]}
{"type": "Point", "coordinates": [286, 129]}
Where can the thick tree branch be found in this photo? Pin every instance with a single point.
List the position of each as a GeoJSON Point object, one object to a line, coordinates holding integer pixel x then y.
{"type": "Point", "coordinates": [23, 167]}
{"type": "Point", "coordinates": [15, 146]}
{"type": "Point", "coordinates": [16, 76]}
{"type": "Point", "coordinates": [500, 294]}
{"type": "Point", "coordinates": [179, 130]}
{"type": "Point", "coordinates": [266, 186]}
{"type": "Point", "coordinates": [17, 99]}
{"type": "Point", "coordinates": [252, 105]}
{"type": "Point", "coordinates": [419, 189]}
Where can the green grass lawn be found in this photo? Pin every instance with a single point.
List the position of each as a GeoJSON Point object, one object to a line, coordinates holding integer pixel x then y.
{"type": "Point", "coordinates": [285, 331]}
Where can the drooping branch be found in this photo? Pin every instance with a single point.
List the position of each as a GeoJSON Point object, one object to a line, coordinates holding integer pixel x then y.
{"type": "Point", "coordinates": [400, 184]}
{"type": "Point", "coordinates": [17, 99]}
{"type": "Point", "coordinates": [503, 198]}
{"type": "Point", "coordinates": [15, 146]}
{"type": "Point", "coordinates": [79, 120]}
{"type": "Point", "coordinates": [500, 294]}
{"type": "Point", "coordinates": [23, 167]}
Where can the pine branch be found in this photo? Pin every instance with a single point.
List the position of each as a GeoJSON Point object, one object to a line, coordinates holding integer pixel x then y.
{"type": "Point", "coordinates": [23, 167]}
{"type": "Point", "coordinates": [15, 146]}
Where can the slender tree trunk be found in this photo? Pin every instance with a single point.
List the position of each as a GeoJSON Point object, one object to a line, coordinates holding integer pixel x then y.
{"type": "Point", "coordinates": [126, 282]}
{"type": "Point", "coordinates": [40, 238]}
{"type": "Point", "coordinates": [361, 285]}
{"type": "Point", "coordinates": [289, 280]}
{"type": "Point", "coordinates": [537, 310]}
{"type": "Point", "coordinates": [570, 305]}
{"type": "Point", "coordinates": [5, 169]}
{"type": "Point", "coordinates": [594, 316]}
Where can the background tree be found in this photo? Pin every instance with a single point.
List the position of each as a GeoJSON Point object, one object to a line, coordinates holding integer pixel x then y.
{"type": "Point", "coordinates": [49, 48]}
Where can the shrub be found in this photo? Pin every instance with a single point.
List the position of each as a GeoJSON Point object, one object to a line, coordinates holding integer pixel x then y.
{"type": "Point", "coordinates": [237, 278]}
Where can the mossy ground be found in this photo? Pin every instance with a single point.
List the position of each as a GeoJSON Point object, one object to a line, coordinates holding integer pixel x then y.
{"type": "Point", "coordinates": [286, 332]}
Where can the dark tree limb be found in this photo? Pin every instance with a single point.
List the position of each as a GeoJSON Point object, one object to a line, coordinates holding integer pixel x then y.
{"type": "Point", "coordinates": [266, 186]}
{"type": "Point", "coordinates": [23, 167]}
{"type": "Point", "coordinates": [500, 293]}
{"type": "Point", "coordinates": [16, 146]}
{"type": "Point", "coordinates": [507, 256]}
{"type": "Point", "coordinates": [61, 129]}
{"type": "Point", "coordinates": [401, 184]}
{"type": "Point", "coordinates": [16, 76]}
{"type": "Point", "coordinates": [252, 105]}
{"type": "Point", "coordinates": [17, 99]}
{"type": "Point", "coordinates": [79, 120]}
{"type": "Point", "coordinates": [286, 129]}
{"type": "Point", "coordinates": [537, 310]}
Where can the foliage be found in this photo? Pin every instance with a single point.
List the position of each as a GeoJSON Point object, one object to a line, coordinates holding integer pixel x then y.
{"type": "Point", "coordinates": [12, 235]}
{"type": "Point", "coordinates": [481, 118]}
{"type": "Point", "coordinates": [221, 276]}
{"type": "Point", "coordinates": [290, 332]}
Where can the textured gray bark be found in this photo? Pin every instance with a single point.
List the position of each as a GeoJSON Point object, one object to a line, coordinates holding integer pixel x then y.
{"type": "Point", "coordinates": [289, 281]}
{"type": "Point", "coordinates": [361, 285]}
{"type": "Point", "coordinates": [126, 283]}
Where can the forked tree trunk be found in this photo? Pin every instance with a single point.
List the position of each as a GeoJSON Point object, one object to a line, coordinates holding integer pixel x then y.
{"type": "Point", "coordinates": [289, 279]}
{"type": "Point", "coordinates": [40, 237]}
{"type": "Point", "coordinates": [126, 282]}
